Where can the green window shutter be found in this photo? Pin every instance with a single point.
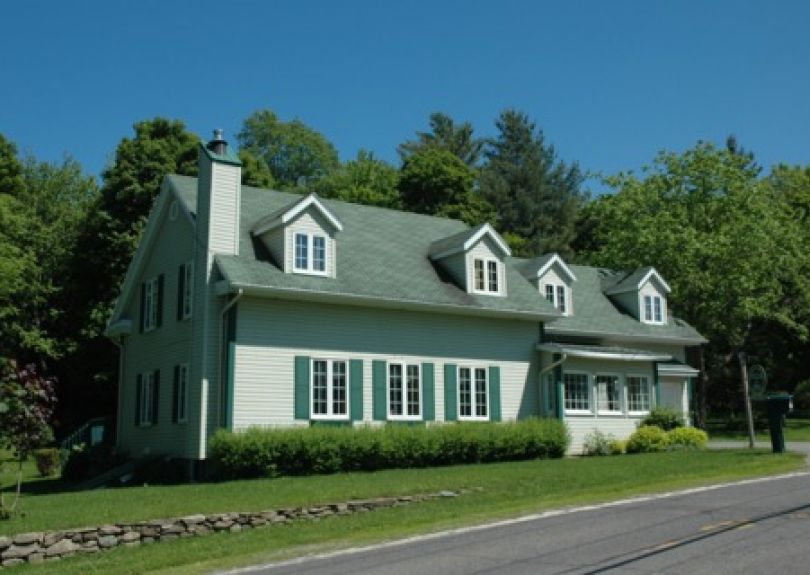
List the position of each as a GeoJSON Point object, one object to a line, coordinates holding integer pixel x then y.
{"type": "Point", "coordinates": [657, 383]}
{"type": "Point", "coordinates": [160, 300]}
{"type": "Point", "coordinates": [181, 287]}
{"type": "Point", "coordinates": [494, 393]}
{"type": "Point", "coordinates": [378, 394]}
{"type": "Point", "coordinates": [176, 393]}
{"type": "Point", "coordinates": [138, 392]}
{"type": "Point", "coordinates": [143, 306]}
{"type": "Point", "coordinates": [559, 389]}
{"type": "Point", "coordinates": [356, 389]}
{"type": "Point", "coordinates": [155, 396]}
{"type": "Point", "coordinates": [450, 392]}
{"type": "Point", "coordinates": [429, 392]}
{"type": "Point", "coordinates": [301, 387]}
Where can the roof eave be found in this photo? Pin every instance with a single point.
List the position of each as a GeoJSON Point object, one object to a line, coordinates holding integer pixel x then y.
{"type": "Point", "coordinates": [596, 354]}
{"type": "Point", "coordinates": [378, 302]}
{"type": "Point", "coordinates": [682, 340]}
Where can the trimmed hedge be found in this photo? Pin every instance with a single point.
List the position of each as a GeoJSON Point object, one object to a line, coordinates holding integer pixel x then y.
{"type": "Point", "coordinates": [664, 417]}
{"type": "Point", "coordinates": [259, 452]}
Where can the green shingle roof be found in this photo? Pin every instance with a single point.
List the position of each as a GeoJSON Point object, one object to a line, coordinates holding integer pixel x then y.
{"type": "Point", "coordinates": [596, 314]}
{"type": "Point", "coordinates": [383, 255]}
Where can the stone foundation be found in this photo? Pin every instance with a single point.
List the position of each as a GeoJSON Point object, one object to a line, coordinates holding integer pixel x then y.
{"type": "Point", "coordinates": [53, 545]}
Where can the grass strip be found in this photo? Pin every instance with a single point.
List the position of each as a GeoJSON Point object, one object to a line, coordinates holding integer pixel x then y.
{"type": "Point", "coordinates": [508, 489]}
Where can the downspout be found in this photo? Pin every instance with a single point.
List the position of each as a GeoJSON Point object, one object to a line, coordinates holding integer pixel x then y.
{"type": "Point", "coordinates": [223, 379]}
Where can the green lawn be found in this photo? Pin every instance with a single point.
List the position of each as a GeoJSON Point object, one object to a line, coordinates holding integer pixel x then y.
{"type": "Point", "coordinates": [507, 489]}
{"type": "Point", "coordinates": [795, 430]}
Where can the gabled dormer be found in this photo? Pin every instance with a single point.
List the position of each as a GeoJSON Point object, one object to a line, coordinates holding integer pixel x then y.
{"type": "Point", "coordinates": [553, 279]}
{"type": "Point", "coordinates": [301, 237]}
{"type": "Point", "coordinates": [475, 259]}
{"type": "Point", "coordinates": [642, 293]}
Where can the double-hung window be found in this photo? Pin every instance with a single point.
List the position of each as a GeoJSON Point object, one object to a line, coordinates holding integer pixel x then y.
{"type": "Point", "coordinates": [404, 391]}
{"type": "Point", "coordinates": [556, 295]}
{"type": "Point", "coordinates": [185, 290]}
{"type": "Point", "coordinates": [608, 394]}
{"type": "Point", "coordinates": [486, 274]}
{"type": "Point", "coordinates": [329, 387]}
{"type": "Point", "coordinates": [653, 309]}
{"type": "Point", "coordinates": [310, 253]}
{"type": "Point", "coordinates": [150, 304]}
{"type": "Point", "coordinates": [577, 392]}
{"type": "Point", "coordinates": [638, 394]}
{"type": "Point", "coordinates": [180, 395]}
{"type": "Point", "coordinates": [147, 399]}
{"type": "Point", "coordinates": [473, 393]}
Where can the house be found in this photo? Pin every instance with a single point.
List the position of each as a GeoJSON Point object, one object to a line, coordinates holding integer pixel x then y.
{"type": "Point", "coordinates": [249, 307]}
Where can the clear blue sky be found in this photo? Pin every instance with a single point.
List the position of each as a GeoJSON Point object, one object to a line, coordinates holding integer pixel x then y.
{"type": "Point", "coordinates": [610, 83]}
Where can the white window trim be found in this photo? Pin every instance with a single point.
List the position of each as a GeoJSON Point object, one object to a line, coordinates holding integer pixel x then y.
{"type": "Point", "coordinates": [472, 417]}
{"type": "Point", "coordinates": [182, 392]}
{"type": "Point", "coordinates": [588, 387]}
{"type": "Point", "coordinates": [404, 366]}
{"type": "Point", "coordinates": [188, 289]}
{"type": "Point", "coordinates": [329, 415]}
{"type": "Point", "coordinates": [556, 299]}
{"type": "Point", "coordinates": [620, 381]}
{"type": "Point", "coordinates": [643, 306]}
{"type": "Point", "coordinates": [150, 303]}
{"type": "Point", "coordinates": [627, 393]}
{"type": "Point", "coordinates": [501, 276]}
{"type": "Point", "coordinates": [310, 268]}
{"type": "Point", "coordinates": [147, 399]}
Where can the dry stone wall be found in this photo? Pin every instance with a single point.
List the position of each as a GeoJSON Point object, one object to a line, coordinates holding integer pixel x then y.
{"type": "Point", "coordinates": [53, 545]}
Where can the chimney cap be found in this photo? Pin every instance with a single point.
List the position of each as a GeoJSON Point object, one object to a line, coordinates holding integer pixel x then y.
{"type": "Point", "coordinates": [218, 145]}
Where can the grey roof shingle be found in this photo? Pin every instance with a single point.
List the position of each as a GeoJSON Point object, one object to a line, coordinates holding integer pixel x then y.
{"type": "Point", "coordinates": [454, 242]}
{"type": "Point", "coordinates": [383, 255]}
{"type": "Point", "coordinates": [595, 313]}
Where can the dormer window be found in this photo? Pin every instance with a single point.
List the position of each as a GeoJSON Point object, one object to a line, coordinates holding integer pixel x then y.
{"type": "Point", "coordinates": [486, 276]}
{"type": "Point", "coordinates": [310, 253]}
{"type": "Point", "coordinates": [653, 309]}
{"type": "Point", "coordinates": [555, 294]}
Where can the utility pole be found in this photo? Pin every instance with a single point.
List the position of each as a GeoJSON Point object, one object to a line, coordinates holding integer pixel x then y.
{"type": "Point", "coordinates": [747, 396]}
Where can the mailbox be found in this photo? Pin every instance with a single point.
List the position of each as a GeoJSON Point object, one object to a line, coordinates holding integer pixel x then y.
{"type": "Point", "coordinates": [778, 406]}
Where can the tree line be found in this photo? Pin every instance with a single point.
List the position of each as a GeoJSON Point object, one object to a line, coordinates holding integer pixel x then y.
{"type": "Point", "coordinates": [732, 240]}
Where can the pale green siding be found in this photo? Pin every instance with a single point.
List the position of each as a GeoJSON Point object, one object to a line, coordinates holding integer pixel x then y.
{"type": "Point", "coordinates": [270, 334]}
{"type": "Point", "coordinates": [162, 348]}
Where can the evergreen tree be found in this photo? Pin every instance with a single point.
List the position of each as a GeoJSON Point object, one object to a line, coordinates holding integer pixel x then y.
{"type": "Point", "coordinates": [446, 135]}
{"type": "Point", "coordinates": [536, 195]}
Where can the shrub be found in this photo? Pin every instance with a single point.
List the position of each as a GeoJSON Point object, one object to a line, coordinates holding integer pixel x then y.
{"type": "Point", "coordinates": [647, 439]}
{"type": "Point", "coordinates": [801, 396]}
{"type": "Point", "coordinates": [687, 438]}
{"type": "Point", "coordinates": [47, 461]}
{"type": "Point", "coordinates": [259, 452]}
{"type": "Point", "coordinates": [83, 462]}
{"type": "Point", "coordinates": [597, 443]}
{"type": "Point", "coordinates": [618, 447]}
{"type": "Point", "coordinates": [663, 417]}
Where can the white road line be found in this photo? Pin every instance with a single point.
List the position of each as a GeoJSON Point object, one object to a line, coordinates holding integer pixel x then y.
{"type": "Point", "coordinates": [514, 521]}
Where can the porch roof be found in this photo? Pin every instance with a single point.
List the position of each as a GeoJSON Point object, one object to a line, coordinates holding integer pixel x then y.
{"type": "Point", "coordinates": [603, 352]}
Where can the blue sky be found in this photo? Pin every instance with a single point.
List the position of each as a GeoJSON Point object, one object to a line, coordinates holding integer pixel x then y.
{"type": "Point", "coordinates": [610, 83]}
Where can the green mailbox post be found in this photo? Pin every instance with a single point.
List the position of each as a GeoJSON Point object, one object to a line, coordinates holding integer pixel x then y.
{"type": "Point", "coordinates": [778, 406]}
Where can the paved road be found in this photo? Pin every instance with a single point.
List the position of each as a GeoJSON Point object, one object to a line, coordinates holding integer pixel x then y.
{"type": "Point", "coordinates": [757, 527]}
